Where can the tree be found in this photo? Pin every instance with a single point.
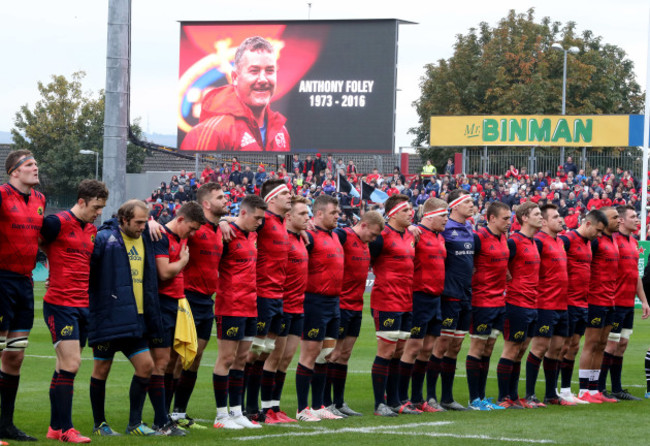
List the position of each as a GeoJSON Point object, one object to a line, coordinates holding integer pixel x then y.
{"type": "Point", "coordinates": [64, 121]}
{"type": "Point", "coordinates": [511, 69]}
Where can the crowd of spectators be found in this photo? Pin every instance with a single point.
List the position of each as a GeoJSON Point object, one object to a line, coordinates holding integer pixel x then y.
{"type": "Point", "coordinates": [571, 189]}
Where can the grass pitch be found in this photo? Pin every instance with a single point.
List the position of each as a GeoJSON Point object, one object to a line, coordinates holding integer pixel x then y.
{"type": "Point", "coordinates": [622, 423]}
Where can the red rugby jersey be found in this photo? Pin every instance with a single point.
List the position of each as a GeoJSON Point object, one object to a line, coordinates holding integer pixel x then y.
{"type": "Point", "coordinates": [524, 268]}
{"type": "Point", "coordinates": [170, 246]}
{"type": "Point", "coordinates": [201, 274]}
{"type": "Point", "coordinates": [68, 253]}
{"type": "Point", "coordinates": [272, 253]}
{"type": "Point", "coordinates": [604, 271]}
{"type": "Point", "coordinates": [21, 218]}
{"type": "Point", "coordinates": [237, 293]}
{"type": "Point", "coordinates": [628, 270]}
{"type": "Point", "coordinates": [326, 263]}
{"type": "Point", "coordinates": [553, 273]}
{"type": "Point", "coordinates": [355, 274]}
{"type": "Point", "coordinates": [578, 250]}
{"type": "Point", "coordinates": [393, 264]}
{"type": "Point", "coordinates": [491, 256]}
{"type": "Point", "coordinates": [295, 282]}
{"type": "Point", "coordinates": [429, 263]}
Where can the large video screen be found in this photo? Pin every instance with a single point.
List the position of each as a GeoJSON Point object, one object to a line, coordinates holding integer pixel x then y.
{"type": "Point", "coordinates": [321, 86]}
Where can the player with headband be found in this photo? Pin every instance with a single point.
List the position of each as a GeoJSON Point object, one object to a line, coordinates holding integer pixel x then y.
{"type": "Point", "coordinates": [455, 299]}
{"type": "Point", "coordinates": [428, 282]}
{"type": "Point", "coordinates": [21, 212]}
{"type": "Point", "coordinates": [391, 302]}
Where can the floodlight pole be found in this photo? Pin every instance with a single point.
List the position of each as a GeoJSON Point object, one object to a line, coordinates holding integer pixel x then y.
{"type": "Point", "coordinates": [646, 137]}
{"type": "Point", "coordinates": [116, 111]}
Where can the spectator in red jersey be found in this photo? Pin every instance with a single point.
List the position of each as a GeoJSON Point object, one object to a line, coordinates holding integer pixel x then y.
{"type": "Point", "coordinates": [351, 168]}
{"type": "Point", "coordinates": [512, 172]}
{"type": "Point", "coordinates": [628, 285]}
{"type": "Point", "coordinates": [68, 239]}
{"type": "Point", "coordinates": [172, 254]}
{"type": "Point", "coordinates": [200, 283]}
{"type": "Point", "coordinates": [521, 292]}
{"type": "Point", "coordinates": [602, 289]}
{"type": "Point", "coordinates": [322, 313]}
{"type": "Point", "coordinates": [236, 314]}
{"type": "Point", "coordinates": [571, 220]}
{"type": "Point", "coordinates": [604, 199]}
{"type": "Point", "coordinates": [491, 256]}
{"type": "Point", "coordinates": [391, 302]}
{"type": "Point", "coordinates": [357, 262]}
{"type": "Point", "coordinates": [594, 202]}
{"type": "Point", "coordinates": [428, 283]}
{"type": "Point", "coordinates": [22, 209]}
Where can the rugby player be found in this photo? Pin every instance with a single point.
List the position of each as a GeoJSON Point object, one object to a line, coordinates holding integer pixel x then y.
{"type": "Point", "coordinates": [124, 311]}
{"type": "Point", "coordinates": [391, 302]}
{"type": "Point", "coordinates": [297, 271]}
{"type": "Point", "coordinates": [172, 254]}
{"type": "Point", "coordinates": [236, 314]}
{"type": "Point", "coordinates": [577, 245]}
{"type": "Point", "coordinates": [21, 218]}
{"type": "Point", "coordinates": [321, 305]}
{"type": "Point", "coordinates": [272, 254]}
{"type": "Point", "coordinates": [521, 313]}
{"type": "Point", "coordinates": [552, 327]}
{"type": "Point", "coordinates": [491, 257]}
{"type": "Point", "coordinates": [201, 275]}
{"type": "Point", "coordinates": [428, 282]}
{"type": "Point", "coordinates": [602, 289]}
{"type": "Point", "coordinates": [68, 239]}
{"type": "Point", "coordinates": [357, 262]}
{"type": "Point", "coordinates": [455, 304]}
{"type": "Point", "coordinates": [628, 285]}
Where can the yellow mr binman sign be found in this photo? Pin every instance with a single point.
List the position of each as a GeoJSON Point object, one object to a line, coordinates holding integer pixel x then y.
{"type": "Point", "coordinates": [531, 130]}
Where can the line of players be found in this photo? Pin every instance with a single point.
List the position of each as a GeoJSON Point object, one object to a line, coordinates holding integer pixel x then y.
{"type": "Point", "coordinates": [430, 290]}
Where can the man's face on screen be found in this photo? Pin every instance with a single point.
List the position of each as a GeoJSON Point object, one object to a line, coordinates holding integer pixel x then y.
{"type": "Point", "coordinates": [255, 78]}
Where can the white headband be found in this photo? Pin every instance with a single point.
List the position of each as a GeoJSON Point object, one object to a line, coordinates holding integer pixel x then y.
{"type": "Point", "coordinates": [441, 211]}
{"type": "Point", "coordinates": [398, 208]}
{"type": "Point", "coordinates": [274, 192]}
{"type": "Point", "coordinates": [459, 200]}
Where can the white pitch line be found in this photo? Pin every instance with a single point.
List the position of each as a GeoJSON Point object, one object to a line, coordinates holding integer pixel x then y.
{"type": "Point", "coordinates": [396, 430]}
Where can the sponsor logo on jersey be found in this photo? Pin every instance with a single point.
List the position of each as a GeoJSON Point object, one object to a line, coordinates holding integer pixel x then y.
{"type": "Point", "coordinates": [415, 331]}
{"type": "Point", "coordinates": [260, 326]}
{"type": "Point", "coordinates": [519, 335]}
{"type": "Point", "coordinates": [280, 141]}
{"type": "Point", "coordinates": [596, 321]}
{"type": "Point", "coordinates": [92, 239]}
{"type": "Point", "coordinates": [134, 255]}
{"type": "Point", "coordinates": [67, 330]}
{"type": "Point", "coordinates": [232, 332]}
{"type": "Point", "coordinates": [481, 328]}
{"type": "Point", "coordinates": [388, 322]}
{"type": "Point", "coordinates": [313, 333]}
{"type": "Point", "coordinates": [39, 211]}
{"type": "Point", "coordinates": [448, 322]}
{"type": "Point", "coordinates": [544, 329]}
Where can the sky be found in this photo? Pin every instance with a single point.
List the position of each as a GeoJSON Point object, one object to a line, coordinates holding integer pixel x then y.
{"type": "Point", "coordinates": [42, 38]}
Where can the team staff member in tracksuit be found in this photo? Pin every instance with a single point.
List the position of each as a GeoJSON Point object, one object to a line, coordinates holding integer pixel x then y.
{"type": "Point", "coordinates": [124, 310]}
{"type": "Point", "coordinates": [456, 299]}
{"type": "Point", "coordinates": [391, 302]}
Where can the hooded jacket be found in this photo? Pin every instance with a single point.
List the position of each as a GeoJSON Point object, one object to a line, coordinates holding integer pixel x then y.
{"type": "Point", "coordinates": [226, 124]}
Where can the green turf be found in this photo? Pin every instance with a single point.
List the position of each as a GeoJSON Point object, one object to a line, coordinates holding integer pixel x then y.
{"type": "Point", "coordinates": [622, 423]}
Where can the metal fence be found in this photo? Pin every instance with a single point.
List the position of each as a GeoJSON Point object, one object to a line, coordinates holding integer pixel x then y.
{"type": "Point", "coordinates": [496, 161]}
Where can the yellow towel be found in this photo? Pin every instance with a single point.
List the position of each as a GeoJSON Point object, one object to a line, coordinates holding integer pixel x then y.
{"type": "Point", "coordinates": [185, 341]}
